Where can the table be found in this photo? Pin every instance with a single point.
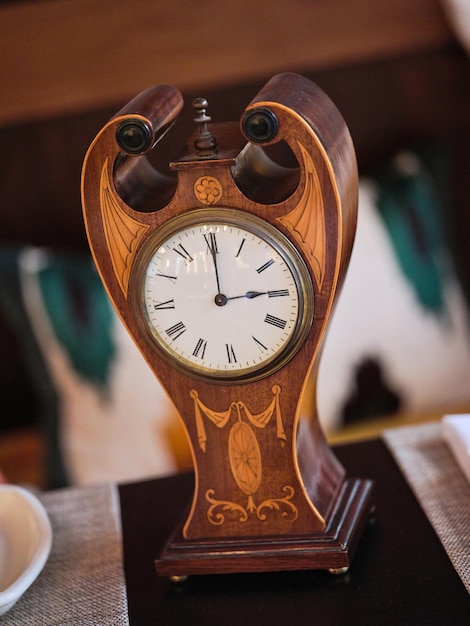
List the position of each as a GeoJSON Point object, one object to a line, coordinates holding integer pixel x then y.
{"type": "Point", "coordinates": [400, 574]}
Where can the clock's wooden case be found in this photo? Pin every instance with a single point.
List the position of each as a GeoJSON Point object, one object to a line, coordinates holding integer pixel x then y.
{"type": "Point", "coordinates": [269, 493]}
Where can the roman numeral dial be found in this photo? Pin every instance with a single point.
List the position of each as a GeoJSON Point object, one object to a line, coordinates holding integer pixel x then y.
{"type": "Point", "coordinates": [224, 294]}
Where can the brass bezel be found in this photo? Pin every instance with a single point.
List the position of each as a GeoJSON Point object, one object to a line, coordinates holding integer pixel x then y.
{"type": "Point", "coordinates": [263, 230]}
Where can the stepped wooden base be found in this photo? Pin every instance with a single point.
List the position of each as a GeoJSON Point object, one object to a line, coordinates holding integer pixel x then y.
{"type": "Point", "coordinates": [331, 549]}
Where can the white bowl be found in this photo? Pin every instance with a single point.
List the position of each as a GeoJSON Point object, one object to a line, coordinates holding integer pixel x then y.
{"type": "Point", "coordinates": [25, 542]}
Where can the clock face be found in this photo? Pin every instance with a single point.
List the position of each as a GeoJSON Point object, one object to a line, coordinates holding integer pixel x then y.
{"type": "Point", "coordinates": [223, 294]}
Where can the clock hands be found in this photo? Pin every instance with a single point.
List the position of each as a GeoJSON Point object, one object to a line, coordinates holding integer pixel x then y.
{"type": "Point", "coordinates": [221, 299]}
{"type": "Point", "coordinates": [271, 293]}
{"type": "Point", "coordinates": [211, 241]}
{"type": "Point", "coordinates": [249, 294]}
{"type": "Point", "coordinates": [212, 245]}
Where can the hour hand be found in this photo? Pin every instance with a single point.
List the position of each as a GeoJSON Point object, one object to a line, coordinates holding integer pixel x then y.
{"type": "Point", "coordinates": [249, 294]}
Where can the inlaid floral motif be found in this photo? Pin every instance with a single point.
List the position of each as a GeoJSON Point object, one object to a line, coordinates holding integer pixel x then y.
{"type": "Point", "coordinates": [208, 190]}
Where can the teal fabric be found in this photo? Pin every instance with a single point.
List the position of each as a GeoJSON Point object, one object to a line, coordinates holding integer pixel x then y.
{"type": "Point", "coordinates": [410, 204]}
{"type": "Point", "coordinates": [48, 402]}
{"type": "Point", "coordinates": [81, 317]}
{"type": "Point", "coordinates": [80, 314]}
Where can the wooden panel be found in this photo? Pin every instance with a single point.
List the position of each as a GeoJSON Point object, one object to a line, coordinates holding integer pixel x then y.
{"type": "Point", "coordinates": [60, 57]}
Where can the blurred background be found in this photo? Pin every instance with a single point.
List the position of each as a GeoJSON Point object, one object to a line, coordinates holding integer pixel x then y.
{"type": "Point", "coordinates": [399, 348]}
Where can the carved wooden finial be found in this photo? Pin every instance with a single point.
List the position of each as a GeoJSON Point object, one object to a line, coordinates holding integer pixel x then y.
{"type": "Point", "coordinates": [205, 143]}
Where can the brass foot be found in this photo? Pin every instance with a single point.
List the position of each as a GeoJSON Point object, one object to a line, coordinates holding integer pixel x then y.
{"type": "Point", "coordinates": [338, 571]}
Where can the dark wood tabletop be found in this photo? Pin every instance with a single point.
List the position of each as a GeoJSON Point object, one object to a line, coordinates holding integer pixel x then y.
{"type": "Point", "coordinates": [401, 574]}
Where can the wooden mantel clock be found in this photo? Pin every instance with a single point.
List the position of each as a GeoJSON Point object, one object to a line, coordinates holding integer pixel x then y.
{"type": "Point", "coordinates": [225, 272]}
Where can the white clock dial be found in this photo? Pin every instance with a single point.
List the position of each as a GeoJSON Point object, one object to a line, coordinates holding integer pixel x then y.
{"type": "Point", "coordinates": [223, 294]}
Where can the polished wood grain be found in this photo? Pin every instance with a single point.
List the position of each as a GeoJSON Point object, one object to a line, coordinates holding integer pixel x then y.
{"type": "Point", "coordinates": [301, 494]}
{"type": "Point", "coordinates": [63, 57]}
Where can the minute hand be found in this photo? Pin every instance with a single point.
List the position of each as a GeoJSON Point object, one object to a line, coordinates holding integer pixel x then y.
{"type": "Point", "coordinates": [212, 245]}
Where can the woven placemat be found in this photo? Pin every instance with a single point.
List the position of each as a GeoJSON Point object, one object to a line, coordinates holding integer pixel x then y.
{"type": "Point", "coordinates": [439, 485]}
{"type": "Point", "coordinates": [83, 580]}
